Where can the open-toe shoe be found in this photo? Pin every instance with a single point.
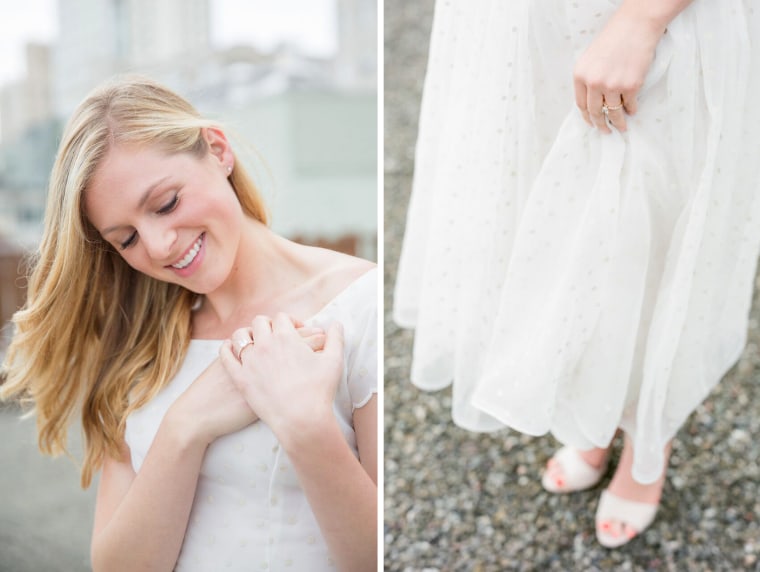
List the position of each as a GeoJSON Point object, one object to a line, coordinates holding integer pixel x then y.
{"type": "Point", "coordinates": [619, 520]}
{"type": "Point", "coordinates": [575, 474]}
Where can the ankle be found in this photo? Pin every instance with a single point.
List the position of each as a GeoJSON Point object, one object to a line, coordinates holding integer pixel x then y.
{"type": "Point", "coordinates": [595, 458]}
{"type": "Point", "coordinates": [624, 486]}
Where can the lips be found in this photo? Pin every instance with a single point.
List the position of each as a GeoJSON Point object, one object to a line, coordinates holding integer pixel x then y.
{"type": "Point", "coordinates": [190, 255]}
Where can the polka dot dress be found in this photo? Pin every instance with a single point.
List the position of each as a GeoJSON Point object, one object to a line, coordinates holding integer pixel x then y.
{"type": "Point", "coordinates": [249, 511]}
{"type": "Point", "coordinates": [568, 281]}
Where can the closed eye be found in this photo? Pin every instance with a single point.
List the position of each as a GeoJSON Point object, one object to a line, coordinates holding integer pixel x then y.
{"type": "Point", "coordinates": [127, 243]}
{"type": "Point", "coordinates": [170, 206]}
{"type": "Point", "coordinates": [166, 209]}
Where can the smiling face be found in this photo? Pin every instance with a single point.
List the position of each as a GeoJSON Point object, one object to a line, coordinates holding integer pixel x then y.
{"type": "Point", "coordinates": [174, 216]}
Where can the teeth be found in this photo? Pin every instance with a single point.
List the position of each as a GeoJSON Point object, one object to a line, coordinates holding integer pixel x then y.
{"type": "Point", "coordinates": [190, 256]}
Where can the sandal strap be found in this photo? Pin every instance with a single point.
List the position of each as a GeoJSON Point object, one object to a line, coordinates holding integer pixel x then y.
{"type": "Point", "coordinates": [575, 467]}
{"type": "Point", "coordinates": [637, 515]}
{"type": "Point", "coordinates": [577, 474]}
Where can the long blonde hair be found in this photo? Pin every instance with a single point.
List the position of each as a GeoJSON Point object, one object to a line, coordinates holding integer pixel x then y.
{"type": "Point", "coordinates": [96, 335]}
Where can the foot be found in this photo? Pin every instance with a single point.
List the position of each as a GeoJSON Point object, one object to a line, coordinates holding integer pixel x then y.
{"type": "Point", "coordinates": [572, 470]}
{"type": "Point", "coordinates": [627, 507]}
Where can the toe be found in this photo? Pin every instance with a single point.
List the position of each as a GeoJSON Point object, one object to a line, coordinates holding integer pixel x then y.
{"type": "Point", "coordinates": [554, 478]}
{"type": "Point", "coordinates": [609, 528]}
{"type": "Point", "coordinates": [554, 472]}
{"type": "Point", "coordinates": [612, 528]}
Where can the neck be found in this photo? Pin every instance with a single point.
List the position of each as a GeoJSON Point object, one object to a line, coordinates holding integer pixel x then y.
{"type": "Point", "coordinates": [265, 266]}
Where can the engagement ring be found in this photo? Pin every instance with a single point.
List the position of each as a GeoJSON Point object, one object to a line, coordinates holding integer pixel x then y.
{"type": "Point", "coordinates": [242, 344]}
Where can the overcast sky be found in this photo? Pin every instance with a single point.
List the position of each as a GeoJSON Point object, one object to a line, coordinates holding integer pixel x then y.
{"type": "Point", "coordinates": [264, 23]}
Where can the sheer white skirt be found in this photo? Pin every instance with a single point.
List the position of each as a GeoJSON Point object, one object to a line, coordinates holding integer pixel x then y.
{"type": "Point", "coordinates": [568, 281]}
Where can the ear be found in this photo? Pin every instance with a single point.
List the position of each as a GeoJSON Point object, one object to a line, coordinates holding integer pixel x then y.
{"type": "Point", "coordinates": [219, 146]}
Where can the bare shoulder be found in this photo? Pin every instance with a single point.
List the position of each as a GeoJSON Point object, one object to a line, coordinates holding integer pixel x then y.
{"type": "Point", "coordinates": [334, 271]}
{"type": "Point", "coordinates": [344, 267]}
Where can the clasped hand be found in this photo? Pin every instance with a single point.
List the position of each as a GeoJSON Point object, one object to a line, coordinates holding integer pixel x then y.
{"type": "Point", "coordinates": [214, 404]}
{"type": "Point", "coordinates": [289, 385]}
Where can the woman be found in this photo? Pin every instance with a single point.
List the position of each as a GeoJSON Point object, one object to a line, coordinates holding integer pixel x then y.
{"type": "Point", "coordinates": [214, 454]}
{"type": "Point", "coordinates": [582, 233]}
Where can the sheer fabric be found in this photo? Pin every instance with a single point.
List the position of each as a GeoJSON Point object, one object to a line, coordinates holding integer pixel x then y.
{"type": "Point", "coordinates": [565, 280]}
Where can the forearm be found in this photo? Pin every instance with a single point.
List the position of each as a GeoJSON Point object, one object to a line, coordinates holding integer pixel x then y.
{"type": "Point", "coordinates": [655, 13]}
{"type": "Point", "coordinates": [341, 494]}
{"type": "Point", "coordinates": [147, 528]}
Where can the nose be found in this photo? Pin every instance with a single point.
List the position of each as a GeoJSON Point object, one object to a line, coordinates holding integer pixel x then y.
{"type": "Point", "coordinates": [158, 241]}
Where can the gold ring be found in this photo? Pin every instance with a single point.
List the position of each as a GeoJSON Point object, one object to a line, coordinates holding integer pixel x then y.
{"type": "Point", "coordinates": [606, 108]}
{"type": "Point", "coordinates": [242, 345]}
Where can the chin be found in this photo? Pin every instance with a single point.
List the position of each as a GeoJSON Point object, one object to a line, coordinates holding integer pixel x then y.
{"type": "Point", "coordinates": [204, 287]}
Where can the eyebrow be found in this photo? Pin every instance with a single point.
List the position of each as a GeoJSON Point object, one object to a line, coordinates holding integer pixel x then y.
{"type": "Point", "coordinates": [143, 199]}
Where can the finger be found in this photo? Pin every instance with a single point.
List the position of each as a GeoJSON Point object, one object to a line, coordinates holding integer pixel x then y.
{"type": "Point", "coordinates": [581, 99]}
{"type": "Point", "coordinates": [630, 102]}
{"type": "Point", "coordinates": [282, 323]}
{"type": "Point", "coordinates": [261, 327]}
{"type": "Point", "coordinates": [595, 103]}
{"type": "Point", "coordinates": [306, 331]}
{"type": "Point", "coordinates": [242, 334]}
{"type": "Point", "coordinates": [316, 341]}
{"type": "Point", "coordinates": [617, 119]}
{"type": "Point", "coordinates": [229, 359]}
{"type": "Point", "coordinates": [334, 340]}
{"type": "Point", "coordinates": [241, 338]}
{"type": "Point", "coordinates": [296, 322]}
{"type": "Point", "coordinates": [615, 113]}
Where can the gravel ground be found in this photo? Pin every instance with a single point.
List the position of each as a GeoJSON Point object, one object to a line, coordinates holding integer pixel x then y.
{"type": "Point", "coordinates": [45, 518]}
{"type": "Point", "coordinates": [456, 500]}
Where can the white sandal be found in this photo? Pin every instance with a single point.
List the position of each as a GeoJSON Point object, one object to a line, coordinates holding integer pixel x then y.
{"type": "Point", "coordinates": [577, 474]}
{"type": "Point", "coordinates": [636, 515]}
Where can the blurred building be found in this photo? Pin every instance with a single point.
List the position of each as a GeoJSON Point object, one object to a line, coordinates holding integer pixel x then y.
{"type": "Point", "coordinates": [312, 121]}
{"type": "Point", "coordinates": [27, 102]}
{"type": "Point", "coordinates": [12, 287]}
{"type": "Point", "coordinates": [100, 38]}
{"type": "Point", "coordinates": [28, 136]}
{"type": "Point", "coordinates": [356, 63]}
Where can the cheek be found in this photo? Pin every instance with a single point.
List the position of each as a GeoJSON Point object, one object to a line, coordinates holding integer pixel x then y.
{"type": "Point", "coordinates": [227, 212]}
{"type": "Point", "coordinates": [216, 207]}
{"type": "Point", "coordinates": [136, 259]}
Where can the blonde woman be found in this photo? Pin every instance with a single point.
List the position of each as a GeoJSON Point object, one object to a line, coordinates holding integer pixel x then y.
{"type": "Point", "coordinates": [225, 376]}
{"type": "Point", "coordinates": [584, 225]}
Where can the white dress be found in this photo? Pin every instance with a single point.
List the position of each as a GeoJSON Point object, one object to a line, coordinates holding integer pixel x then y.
{"type": "Point", "coordinates": [249, 511]}
{"type": "Point", "coordinates": [568, 281]}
